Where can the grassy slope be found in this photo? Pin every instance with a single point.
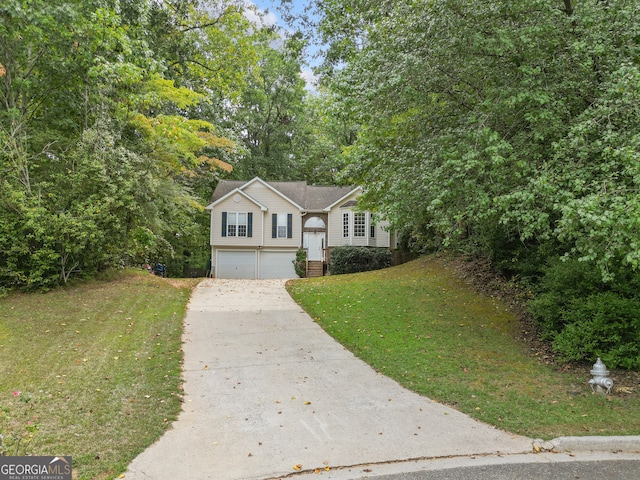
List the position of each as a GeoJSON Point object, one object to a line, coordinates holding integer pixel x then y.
{"type": "Point", "coordinates": [422, 326]}
{"type": "Point", "coordinates": [98, 368]}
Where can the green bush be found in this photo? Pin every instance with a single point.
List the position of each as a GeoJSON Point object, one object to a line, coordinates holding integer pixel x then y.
{"type": "Point", "coordinates": [562, 283]}
{"type": "Point", "coordinates": [300, 263]}
{"type": "Point", "coordinates": [586, 318]}
{"type": "Point", "coordinates": [603, 325]}
{"type": "Point", "coordinates": [359, 259]}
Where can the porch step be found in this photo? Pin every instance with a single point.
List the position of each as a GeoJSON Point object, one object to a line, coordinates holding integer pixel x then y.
{"type": "Point", "coordinates": [315, 269]}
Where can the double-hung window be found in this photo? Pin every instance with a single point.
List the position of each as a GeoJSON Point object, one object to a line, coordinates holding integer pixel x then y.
{"type": "Point", "coordinates": [345, 225]}
{"type": "Point", "coordinates": [372, 226]}
{"type": "Point", "coordinates": [236, 224]}
{"type": "Point", "coordinates": [359, 224]}
{"type": "Point", "coordinates": [282, 225]}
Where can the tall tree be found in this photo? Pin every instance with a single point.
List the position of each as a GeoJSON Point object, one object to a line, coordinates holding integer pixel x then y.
{"type": "Point", "coordinates": [467, 111]}
{"type": "Point", "coordinates": [509, 130]}
{"type": "Point", "coordinates": [327, 130]}
{"type": "Point", "coordinates": [105, 131]}
{"type": "Point", "coordinates": [271, 113]}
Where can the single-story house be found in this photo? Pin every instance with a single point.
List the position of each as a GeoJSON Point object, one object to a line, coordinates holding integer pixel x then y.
{"type": "Point", "coordinates": [257, 226]}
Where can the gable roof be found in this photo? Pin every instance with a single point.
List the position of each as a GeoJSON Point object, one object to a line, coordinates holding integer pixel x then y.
{"type": "Point", "coordinates": [306, 197]}
{"type": "Point", "coordinates": [321, 198]}
{"type": "Point", "coordinates": [342, 198]}
{"type": "Point", "coordinates": [291, 191]}
{"type": "Point", "coordinates": [236, 191]}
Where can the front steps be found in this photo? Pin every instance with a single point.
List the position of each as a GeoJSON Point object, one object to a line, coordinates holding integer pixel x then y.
{"type": "Point", "coordinates": [315, 269]}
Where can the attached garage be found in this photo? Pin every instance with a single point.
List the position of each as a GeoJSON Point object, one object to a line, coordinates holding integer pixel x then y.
{"type": "Point", "coordinates": [236, 264]}
{"type": "Point", "coordinates": [251, 264]}
{"type": "Point", "coordinates": [274, 264]}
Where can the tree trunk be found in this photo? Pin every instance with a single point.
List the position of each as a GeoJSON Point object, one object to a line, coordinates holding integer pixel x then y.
{"type": "Point", "coordinates": [568, 7]}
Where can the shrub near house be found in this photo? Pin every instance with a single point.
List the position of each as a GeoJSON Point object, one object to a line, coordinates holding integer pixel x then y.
{"type": "Point", "coordinates": [359, 259]}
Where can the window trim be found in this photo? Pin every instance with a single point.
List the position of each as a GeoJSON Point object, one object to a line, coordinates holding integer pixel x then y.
{"type": "Point", "coordinates": [276, 225]}
{"type": "Point", "coordinates": [232, 229]}
{"type": "Point", "coordinates": [359, 225]}
{"type": "Point", "coordinates": [346, 225]}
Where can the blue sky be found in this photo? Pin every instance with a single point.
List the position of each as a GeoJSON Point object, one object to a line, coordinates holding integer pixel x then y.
{"type": "Point", "coordinates": [269, 5]}
{"type": "Point", "coordinates": [273, 17]}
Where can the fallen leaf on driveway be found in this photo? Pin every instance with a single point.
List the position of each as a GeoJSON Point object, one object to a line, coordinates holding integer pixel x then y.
{"type": "Point", "coordinates": [297, 467]}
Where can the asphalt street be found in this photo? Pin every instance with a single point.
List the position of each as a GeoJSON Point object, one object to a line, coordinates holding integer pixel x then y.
{"type": "Point", "coordinates": [542, 466]}
{"type": "Point", "coordinates": [596, 470]}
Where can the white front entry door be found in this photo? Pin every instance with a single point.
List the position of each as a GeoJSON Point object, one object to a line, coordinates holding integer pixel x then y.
{"type": "Point", "coordinates": [314, 243]}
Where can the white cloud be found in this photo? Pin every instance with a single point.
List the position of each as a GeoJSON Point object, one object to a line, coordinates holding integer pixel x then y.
{"type": "Point", "coordinates": [259, 17]}
{"type": "Point", "coordinates": [310, 78]}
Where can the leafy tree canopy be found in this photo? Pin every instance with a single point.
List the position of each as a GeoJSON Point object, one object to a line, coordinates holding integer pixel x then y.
{"type": "Point", "coordinates": [495, 125]}
{"type": "Point", "coordinates": [111, 129]}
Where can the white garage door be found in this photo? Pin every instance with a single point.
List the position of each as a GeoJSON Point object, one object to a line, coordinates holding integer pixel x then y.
{"type": "Point", "coordinates": [241, 264]}
{"type": "Point", "coordinates": [277, 265]}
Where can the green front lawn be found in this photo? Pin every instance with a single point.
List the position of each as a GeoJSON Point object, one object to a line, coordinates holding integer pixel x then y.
{"type": "Point", "coordinates": [92, 371]}
{"type": "Point", "coordinates": [429, 330]}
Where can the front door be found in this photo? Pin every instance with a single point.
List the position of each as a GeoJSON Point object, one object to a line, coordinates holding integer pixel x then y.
{"type": "Point", "coordinates": [314, 243]}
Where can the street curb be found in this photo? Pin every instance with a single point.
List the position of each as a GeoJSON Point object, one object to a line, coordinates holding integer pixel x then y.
{"type": "Point", "coordinates": [620, 444]}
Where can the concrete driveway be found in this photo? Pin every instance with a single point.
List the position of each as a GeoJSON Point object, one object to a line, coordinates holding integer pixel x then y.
{"type": "Point", "coordinates": [269, 394]}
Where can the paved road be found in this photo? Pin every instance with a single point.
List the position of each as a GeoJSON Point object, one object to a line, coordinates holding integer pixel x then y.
{"type": "Point", "coordinates": [545, 466]}
{"type": "Point", "coordinates": [587, 470]}
{"type": "Point", "coordinates": [268, 394]}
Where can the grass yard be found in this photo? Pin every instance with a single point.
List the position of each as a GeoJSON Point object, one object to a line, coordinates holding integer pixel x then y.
{"type": "Point", "coordinates": [430, 331]}
{"type": "Point", "coordinates": [92, 371]}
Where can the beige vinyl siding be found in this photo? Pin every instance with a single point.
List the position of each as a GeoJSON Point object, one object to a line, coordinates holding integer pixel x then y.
{"type": "Point", "coordinates": [334, 225]}
{"type": "Point", "coordinates": [336, 237]}
{"type": "Point", "coordinates": [229, 205]}
{"type": "Point", "coordinates": [382, 237]}
{"type": "Point", "coordinates": [276, 204]}
{"type": "Point", "coordinates": [335, 228]}
{"type": "Point", "coordinates": [265, 196]}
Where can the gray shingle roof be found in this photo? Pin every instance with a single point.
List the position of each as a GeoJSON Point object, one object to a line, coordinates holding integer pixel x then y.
{"type": "Point", "coordinates": [310, 197]}
{"type": "Point", "coordinates": [319, 197]}
{"type": "Point", "coordinates": [224, 187]}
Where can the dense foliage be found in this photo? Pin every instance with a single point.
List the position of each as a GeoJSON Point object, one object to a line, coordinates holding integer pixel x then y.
{"type": "Point", "coordinates": [499, 125]}
{"type": "Point", "coordinates": [349, 259]}
{"type": "Point", "coordinates": [585, 317]}
{"type": "Point", "coordinates": [509, 130]}
{"type": "Point", "coordinates": [117, 117]}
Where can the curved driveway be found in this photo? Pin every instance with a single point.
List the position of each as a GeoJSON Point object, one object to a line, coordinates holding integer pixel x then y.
{"type": "Point", "coordinates": [268, 392]}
